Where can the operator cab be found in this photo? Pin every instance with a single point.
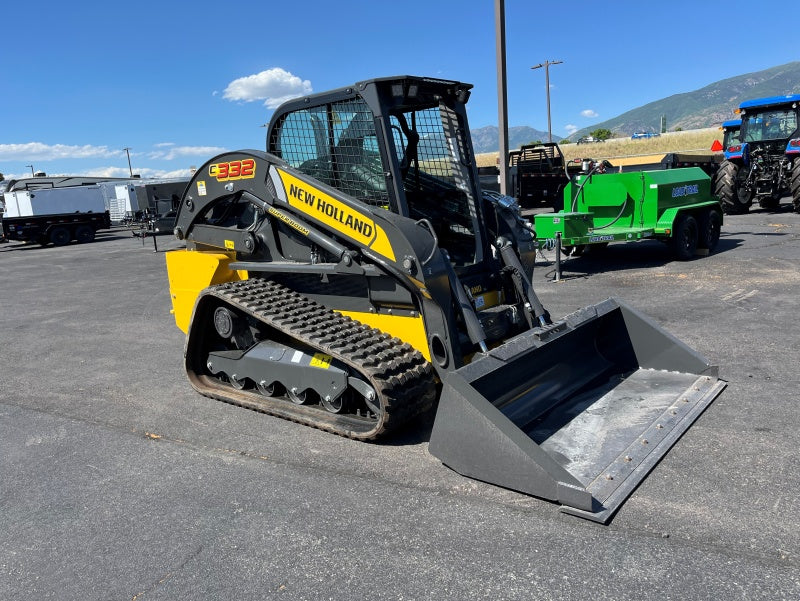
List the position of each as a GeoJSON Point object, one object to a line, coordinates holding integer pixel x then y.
{"type": "Point", "coordinates": [398, 144]}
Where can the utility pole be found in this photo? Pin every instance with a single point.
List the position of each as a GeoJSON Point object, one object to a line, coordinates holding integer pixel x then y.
{"type": "Point", "coordinates": [32, 173]}
{"type": "Point", "coordinates": [546, 65]}
{"type": "Point", "coordinates": [127, 151]}
{"type": "Point", "coordinates": [502, 94]}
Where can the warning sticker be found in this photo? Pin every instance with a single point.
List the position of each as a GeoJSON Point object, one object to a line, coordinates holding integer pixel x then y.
{"type": "Point", "coordinates": [321, 360]}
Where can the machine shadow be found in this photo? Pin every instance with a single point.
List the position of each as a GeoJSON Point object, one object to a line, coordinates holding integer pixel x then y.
{"type": "Point", "coordinates": [626, 256]}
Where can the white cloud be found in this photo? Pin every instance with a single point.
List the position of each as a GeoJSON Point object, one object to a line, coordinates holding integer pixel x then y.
{"type": "Point", "coordinates": [273, 86]}
{"type": "Point", "coordinates": [589, 113]}
{"type": "Point", "coordinates": [187, 172]}
{"type": "Point", "coordinates": [169, 151]}
{"type": "Point", "coordinates": [36, 151]}
{"type": "Point", "coordinates": [571, 129]}
{"type": "Point", "coordinates": [106, 172]}
{"type": "Point", "coordinates": [144, 173]}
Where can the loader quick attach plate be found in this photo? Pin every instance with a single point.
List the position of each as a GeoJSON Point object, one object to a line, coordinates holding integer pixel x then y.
{"type": "Point", "coordinates": [578, 413]}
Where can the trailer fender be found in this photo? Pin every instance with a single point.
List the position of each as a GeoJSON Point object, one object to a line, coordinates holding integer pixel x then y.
{"type": "Point", "coordinates": [666, 222]}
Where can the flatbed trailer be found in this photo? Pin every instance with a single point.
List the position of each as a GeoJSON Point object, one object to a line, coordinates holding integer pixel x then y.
{"type": "Point", "coordinates": [538, 174]}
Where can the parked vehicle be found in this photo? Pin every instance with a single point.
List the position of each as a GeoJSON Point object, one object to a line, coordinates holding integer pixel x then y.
{"type": "Point", "coordinates": [644, 134]}
{"type": "Point", "coordinates": [765, 164]}
{"type": "Point", "coordinates": [354, 275]}
{"type": "Point", "coordinates": [537, 174]}
{"type": "Point", "coordinates": [153, 225]}
{"type": "Point", "coordinates": [55, 215]}
{"type": "Point", "coordinates": [672, 205]}
{"type": "Point", "coordinates": [730, 135]}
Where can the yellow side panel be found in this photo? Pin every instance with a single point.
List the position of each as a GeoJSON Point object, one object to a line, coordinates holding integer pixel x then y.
{"type": "Point", "coordinates": [337, 215]}
{"type": "Point", "coordinates": [407, 329]}
{"type": "Point", "coordinates": [189, 273]}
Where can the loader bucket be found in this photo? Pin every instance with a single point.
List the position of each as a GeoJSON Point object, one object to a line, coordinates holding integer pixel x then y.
{"type": "Point", "coordinates": [578, 412]}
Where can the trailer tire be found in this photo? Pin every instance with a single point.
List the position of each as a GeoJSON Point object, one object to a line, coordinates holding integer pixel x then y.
{"type": "Point", "coordinates": [735, 199]}
{"type": "Point", "coordinates": [84, 234]}
{"type": "Point", "coordinates": [684, 237]}
{"type": "Point", "coordinates": [60, 236]}
{"type": "Point", "coordinates": [709, 229]}
{"type": "Point", "coordinates": [794, 185]}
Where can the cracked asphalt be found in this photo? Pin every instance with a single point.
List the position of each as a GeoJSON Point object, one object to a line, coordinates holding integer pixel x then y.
{"type": "Point", "coordinates": [120, 482]}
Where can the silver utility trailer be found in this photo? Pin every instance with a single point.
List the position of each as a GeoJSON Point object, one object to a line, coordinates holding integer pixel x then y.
{"type": "Point", "coordinates": [55, 215]}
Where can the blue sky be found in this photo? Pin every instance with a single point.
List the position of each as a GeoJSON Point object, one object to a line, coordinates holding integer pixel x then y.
{"type": "Point", "coordinates": [177, 82]}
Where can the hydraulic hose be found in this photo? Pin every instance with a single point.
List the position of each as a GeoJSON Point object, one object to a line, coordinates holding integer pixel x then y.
{"type": "Point", "coordinates": [593, 170]}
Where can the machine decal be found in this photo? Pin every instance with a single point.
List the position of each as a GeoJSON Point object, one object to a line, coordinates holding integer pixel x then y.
{"type": "Point", "coordinates": [201, 188]}
{"type": "Point", "coordinates": [321, 360]}
{"type": "Point", "coordinates": [336, 214]}
{"type": "Point", "coordinates": [288, 220]}
{"type": "Point", "coordinates": [230, 170]}
{"type": "Point", "coordinates": [687, 190]}
{"type": "Point", "coordinates": [230, 245]}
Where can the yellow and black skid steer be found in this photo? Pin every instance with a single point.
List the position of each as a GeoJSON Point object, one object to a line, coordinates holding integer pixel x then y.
{"type": "Point", "coordinates": [354, 275]}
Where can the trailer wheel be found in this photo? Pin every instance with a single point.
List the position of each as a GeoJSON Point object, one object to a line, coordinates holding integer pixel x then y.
{"type": "Point", "coordinates": [794, 185]}
{"type": "Point", "coordinates": [709, 228]}
{"type": "Point", "coordinates": [735, 198]}
{"type": "Point", "coordinates": [60, 236]}
{"type": "Point", "coordinates": [684, 237]}
{"type": "Point", "coordinates": [84, 234]}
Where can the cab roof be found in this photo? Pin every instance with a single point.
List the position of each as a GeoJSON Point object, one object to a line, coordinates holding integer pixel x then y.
{"type": "Point", "coordinates": [770, 100]}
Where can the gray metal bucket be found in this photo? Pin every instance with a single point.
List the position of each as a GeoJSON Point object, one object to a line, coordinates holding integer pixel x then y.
{"type": "Point", "coordinates": [578, 412]}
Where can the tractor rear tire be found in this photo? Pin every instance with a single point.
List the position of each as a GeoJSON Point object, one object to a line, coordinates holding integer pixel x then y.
{"type": "Point", "coordinates": [794, 185]}
{"type": "Point", "coordinates": [735, 200]}
{"type": "Point", "coordinates": [685, 237]}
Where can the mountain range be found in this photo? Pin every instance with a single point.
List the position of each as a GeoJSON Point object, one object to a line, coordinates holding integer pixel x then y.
{"type": "Point", "coordinates": [707, 107]}
{"type": "Point", "coordinates": [485, 139]}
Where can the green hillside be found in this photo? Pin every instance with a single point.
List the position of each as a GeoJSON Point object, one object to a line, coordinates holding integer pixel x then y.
{"type": "Point", "coordinates": [706, 107]}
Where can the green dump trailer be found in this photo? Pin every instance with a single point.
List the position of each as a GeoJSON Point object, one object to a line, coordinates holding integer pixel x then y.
{"type": "Point", "coordinates": [675, 206]}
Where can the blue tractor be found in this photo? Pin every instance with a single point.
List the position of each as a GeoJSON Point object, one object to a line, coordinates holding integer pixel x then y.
{"type": "Point", "coordinates": [730, 135]}
{"type": "Point", "coordinates": [764, 164]}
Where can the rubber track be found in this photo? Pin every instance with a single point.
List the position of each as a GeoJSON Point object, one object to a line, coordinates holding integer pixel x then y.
{"type": "Point", "coordinates": [400, 375]}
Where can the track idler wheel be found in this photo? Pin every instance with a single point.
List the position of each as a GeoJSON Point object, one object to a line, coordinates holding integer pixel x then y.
{"type": "Point", "coordinates": [223, 322]}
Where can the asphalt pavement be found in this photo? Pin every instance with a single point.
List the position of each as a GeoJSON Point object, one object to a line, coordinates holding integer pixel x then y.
{"type": "Point", "coordinates": [118, 481]}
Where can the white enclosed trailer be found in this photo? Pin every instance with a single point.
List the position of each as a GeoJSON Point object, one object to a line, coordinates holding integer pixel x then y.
{"type": "Point", "coordinates": [57, 215]}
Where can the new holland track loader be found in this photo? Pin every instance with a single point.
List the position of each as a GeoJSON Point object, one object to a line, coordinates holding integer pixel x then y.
{"type": "Point", "coordinates": [354, 275]}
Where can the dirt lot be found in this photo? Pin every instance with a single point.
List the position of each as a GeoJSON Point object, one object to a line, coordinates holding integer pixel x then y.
{"type": "Point", "coordinates": [120, 482]}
